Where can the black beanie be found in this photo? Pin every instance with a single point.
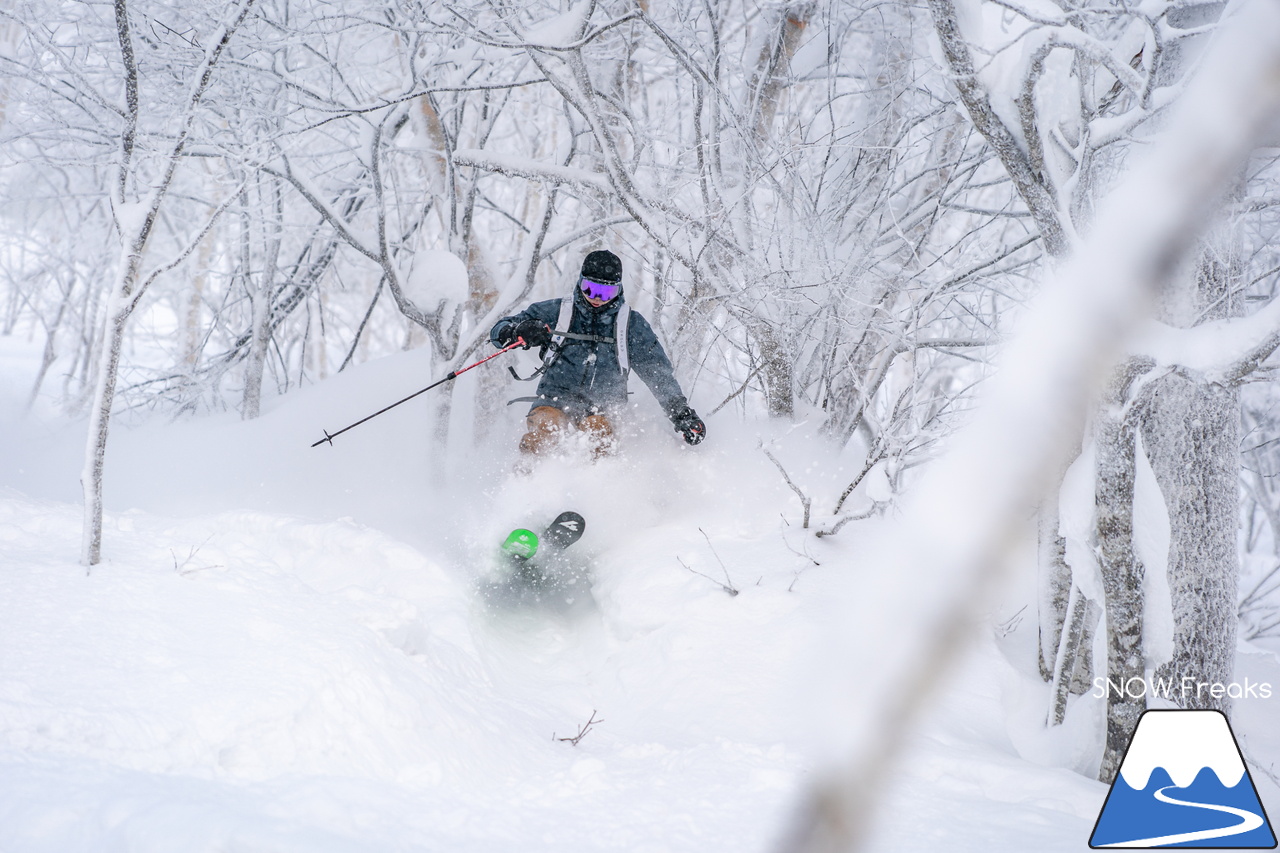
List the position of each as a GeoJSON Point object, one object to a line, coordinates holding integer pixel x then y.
{"type": "Point", "coordinates": [602, 265]}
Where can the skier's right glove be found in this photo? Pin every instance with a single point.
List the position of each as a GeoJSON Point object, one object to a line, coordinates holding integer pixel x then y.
{"type": "Point", "coordinates": [688, 424]}
{"type": "Point", "coordinates": [534, 332]}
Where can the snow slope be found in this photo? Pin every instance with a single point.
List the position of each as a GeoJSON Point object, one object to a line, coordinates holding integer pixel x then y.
{"type": "Point", "coordinates": [285, 651]}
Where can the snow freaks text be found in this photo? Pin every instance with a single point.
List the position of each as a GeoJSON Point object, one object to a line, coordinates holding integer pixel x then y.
{"type": "Point", "coordinates": [1184, 688]}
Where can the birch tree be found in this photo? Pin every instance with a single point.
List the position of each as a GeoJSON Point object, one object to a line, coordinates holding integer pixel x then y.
{"type": "Point", "coordinates": [139, 191]}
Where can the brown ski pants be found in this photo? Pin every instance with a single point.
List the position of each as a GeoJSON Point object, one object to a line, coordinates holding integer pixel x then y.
{"type": "Point", "coordinates": [548, 426]}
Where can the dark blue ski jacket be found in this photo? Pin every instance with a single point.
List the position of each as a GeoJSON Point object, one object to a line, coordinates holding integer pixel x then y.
{"type": "Point", "coordinates": [586, 377]}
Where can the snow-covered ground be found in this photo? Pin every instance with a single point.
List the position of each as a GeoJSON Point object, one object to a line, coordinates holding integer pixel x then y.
{"type": "Point", "coordinates": [284, 649]}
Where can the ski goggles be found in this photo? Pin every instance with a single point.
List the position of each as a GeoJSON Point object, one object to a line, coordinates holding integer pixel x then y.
{"type": "Point", "coordinates": [599, 289]}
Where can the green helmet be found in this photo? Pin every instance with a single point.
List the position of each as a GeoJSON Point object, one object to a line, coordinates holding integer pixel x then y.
{"type": "Point", "coordinates": [521, 543]}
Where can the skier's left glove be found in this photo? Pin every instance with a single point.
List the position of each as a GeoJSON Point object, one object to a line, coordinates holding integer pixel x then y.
{"type": "Point", "coordinates": [688, 424]}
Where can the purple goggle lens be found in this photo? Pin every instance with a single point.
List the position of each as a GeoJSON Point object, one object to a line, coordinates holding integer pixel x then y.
{"type": "Point", "coordinates": [599, 289]}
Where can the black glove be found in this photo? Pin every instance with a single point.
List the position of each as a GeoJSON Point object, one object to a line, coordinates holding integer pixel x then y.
{"type": "Point", "coordinates": [535, 333]}
{"type": "Point", "coordinates": [688, 424]}
{"type": "Point", "coordinates": [505, 336]}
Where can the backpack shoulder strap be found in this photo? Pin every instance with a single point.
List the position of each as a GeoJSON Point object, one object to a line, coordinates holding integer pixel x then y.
{"type": "Point", "coordinates": [620, 328]}
{"type": "Point", "coordinates": [557, 334]}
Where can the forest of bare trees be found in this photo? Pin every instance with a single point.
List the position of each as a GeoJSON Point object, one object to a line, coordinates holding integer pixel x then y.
{"type": "Point", "coordinates": [830, 211]}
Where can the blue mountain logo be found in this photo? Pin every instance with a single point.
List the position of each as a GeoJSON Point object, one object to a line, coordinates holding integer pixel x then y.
{"type": "Point", "coordinates": [1183, 783]}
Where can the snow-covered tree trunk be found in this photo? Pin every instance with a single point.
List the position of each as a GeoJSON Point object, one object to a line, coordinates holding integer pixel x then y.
{"type": "Point", "coordinates": [786, 23]}
{"type": "Point", "coordinates": [104, 391]}
{"type": "Point", "coordinates": [1068, 619]}
{"type": "Point", "coordinates": [135, 221]}
{"type": "Point", "coordinates": [1031, 183]}
{"type": "Point", "coordinates": [1055, 582]}
{"type": "Point", "coordinates": [260, 296]}
{"type": "Point", "coordinates": [778, 372]}
{"type": "Point", "coordinates": [1192, 432]}
{"type": "Point", "coordinates": [784, 26]}
{"type": "Point", "coordinates": [1114, 434]}
{"type": "Point", "coordinates": [1072, 666]}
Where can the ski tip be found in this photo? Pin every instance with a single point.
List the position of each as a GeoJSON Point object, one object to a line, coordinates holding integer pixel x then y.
{"type": "Point", "coordinates": [521, 543]}
{"type": "Point", "coordinates": [567, 528]}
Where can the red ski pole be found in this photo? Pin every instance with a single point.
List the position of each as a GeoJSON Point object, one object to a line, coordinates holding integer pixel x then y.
{"type": "Point", "coordinates": [518, 342]}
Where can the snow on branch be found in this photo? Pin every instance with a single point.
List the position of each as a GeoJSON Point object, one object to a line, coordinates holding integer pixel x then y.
{"type": "Point", "coordinates": [561, 33]}
{"type": "Point", "coordinates": [598, 225]}
{"type": "Point", "coordinates": [1024, 12]}
{"type": "Point", "coordinates": [534, 170]}
{"type": "Point", "coordinates": [1226, 351]}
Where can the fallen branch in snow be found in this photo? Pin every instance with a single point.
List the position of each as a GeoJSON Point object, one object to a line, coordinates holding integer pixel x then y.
{"type": "Point", "coordinates": [805, 554]}
{"type": "Point", "coordinates": [727, 589]}
{"type": "Point", "coordinates": [582, 730]}
{"type": "Point", "coordinates": [731, 589]}
{"type": "Point", "coordinates": [874, 457]}
{"type": "Point", "coordinates": [845, 519]}
{"type": "Point", "coordinates": [181, 568]}
{"type": "Point", "coordinates": [1011, 624]}
{"type": "Point", "coordinates": [804, 501]}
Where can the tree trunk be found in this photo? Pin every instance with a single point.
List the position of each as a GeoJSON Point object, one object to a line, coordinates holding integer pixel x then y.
{"type": "Point", "coordinates": [1055, 582]}
{"type": "Point", "coordinates": [118, 310]}
{"type": "Point", "coordinates": [50, 354]}
{"type": "Point", "coordinates": [261, 298]}
{"type": "Point", "coordinates": [1194, 432]}
{"type": "Point", "coordinates": [1069, 665]}
{"type": "Point", "coordinates": [1037, 194]}
{"type": "Point", "coordinates": [778, 372]}
{"type": "Point", "coordinates": [1115, 433]}
{"type": "Point", "coordinates": [786, 24]}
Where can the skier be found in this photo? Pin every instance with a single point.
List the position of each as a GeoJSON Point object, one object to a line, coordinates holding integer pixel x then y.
{"type": "Point", "coordinates": [584, 372]}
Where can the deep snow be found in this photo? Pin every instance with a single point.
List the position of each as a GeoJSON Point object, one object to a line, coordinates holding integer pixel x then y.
{"type": "Point", "coordinates": [284, 649]}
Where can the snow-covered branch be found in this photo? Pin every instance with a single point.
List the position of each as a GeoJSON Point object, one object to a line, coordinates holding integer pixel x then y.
{"type": "Point", "coordinates": [523, 167]}
{"type": "Point", "coordinates": [1224, 351]}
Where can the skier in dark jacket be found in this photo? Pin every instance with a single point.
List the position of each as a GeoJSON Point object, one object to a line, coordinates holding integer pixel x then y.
{"type": "Point", "coordinates": [585, 378]}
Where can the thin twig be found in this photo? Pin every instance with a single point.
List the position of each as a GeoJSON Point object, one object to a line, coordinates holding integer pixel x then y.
{"type": "Point", "coordinates": [727, 589]}
{"type": "Point", "coordinates": [741, 388]}
{"type": "Point", "coordinates": [582, 730]}
{"type": "Point", "coordinates": [195, 549]}
{"type": "Point", "coordinates": [1011, 624]}
{"type": "Point", "coordinates": [731, 588]}
{"type": "Point", "coordinates": [804, 501]}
